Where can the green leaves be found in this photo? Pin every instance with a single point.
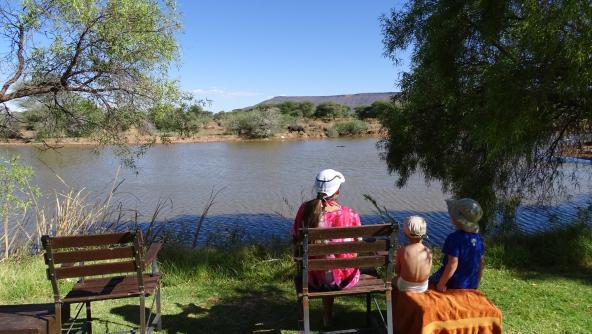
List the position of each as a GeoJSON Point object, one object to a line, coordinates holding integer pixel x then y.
{"type": "Point", "coordinates": [113, 53]}
{"type": "Point", "coordinates": [494, 89]}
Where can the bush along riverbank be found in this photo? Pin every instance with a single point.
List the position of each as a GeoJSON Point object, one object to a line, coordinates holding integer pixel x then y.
{"type": "Point", "coordinates": [191, 123]}
{"type": "Point", "coordinates": [542, 284]}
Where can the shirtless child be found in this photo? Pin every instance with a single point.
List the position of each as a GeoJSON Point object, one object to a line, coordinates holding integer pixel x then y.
{"type": "Point", "coordinates": [414, 261]}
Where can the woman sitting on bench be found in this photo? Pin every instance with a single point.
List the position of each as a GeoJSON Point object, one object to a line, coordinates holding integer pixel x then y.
{"type": "Point", "coordinates": [325, 212]}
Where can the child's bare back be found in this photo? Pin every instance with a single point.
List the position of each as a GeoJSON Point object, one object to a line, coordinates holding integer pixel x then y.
{"type": "Point", "coordinates": [414, 261]}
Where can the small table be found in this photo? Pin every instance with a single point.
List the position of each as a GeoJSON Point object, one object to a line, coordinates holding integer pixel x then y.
{"type": "Point", "coordinates": [27, 319]}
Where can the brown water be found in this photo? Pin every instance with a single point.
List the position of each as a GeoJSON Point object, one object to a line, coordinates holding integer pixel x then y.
{"type": "Point", "coordinates": [257, 179]}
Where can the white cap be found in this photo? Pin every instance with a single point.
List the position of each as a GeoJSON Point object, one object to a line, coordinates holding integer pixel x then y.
{"type": "Point", "coordinates": [415, 227]}
{"type": "Point", "coordinates": [328, 182]}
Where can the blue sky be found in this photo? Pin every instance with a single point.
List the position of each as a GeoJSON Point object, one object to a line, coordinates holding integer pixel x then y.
{"type": "Point", "coordinates": [238, 53]}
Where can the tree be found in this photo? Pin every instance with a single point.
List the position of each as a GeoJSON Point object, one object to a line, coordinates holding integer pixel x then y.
{"type": "Point", "coordinates": [331, 110]}
{"type": "Point", "coordinates": [376, 110]}
{"type": "Point", "coordinates": [496, 90]}
{"type": "Point", "coordinates": [307, 108]}
{"type": "Point", "coordinates": [114, 53]}
{"type": "Point", "coordinates": [255, 123]}
{"type": "Point", "coordinates": [48, 120]}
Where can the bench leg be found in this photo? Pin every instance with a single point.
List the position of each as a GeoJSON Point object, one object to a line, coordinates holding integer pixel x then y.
{"type": "Point", "coordinates": [159, 324]}
{"type": "Point", "coordinates": [305, 309]}
{"type": "Point", "coordinates": [58, 317]}
{"type": "Point", "coordinates": [66, 307]}
{"type": "Point", "coordinates": [88, 318]}
{"type": "Point", "coordinates": [368, 310]}
{"type": "Point", "coordinates": [389, 312]}
{"type": "Point", "coordinates": [142, 314]}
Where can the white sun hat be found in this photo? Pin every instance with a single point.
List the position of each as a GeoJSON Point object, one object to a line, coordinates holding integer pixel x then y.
{"type": "Point", "coordinates": [328, 182]}
{"type": "Point", "coordinates": [415, 227]}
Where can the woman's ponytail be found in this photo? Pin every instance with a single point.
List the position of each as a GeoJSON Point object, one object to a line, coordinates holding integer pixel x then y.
{"type": "Point", "coordinates": [311, 214]}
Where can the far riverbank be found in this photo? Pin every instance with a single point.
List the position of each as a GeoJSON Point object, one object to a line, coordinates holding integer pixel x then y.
{"type": "Point", "coordinates": [211, 133]}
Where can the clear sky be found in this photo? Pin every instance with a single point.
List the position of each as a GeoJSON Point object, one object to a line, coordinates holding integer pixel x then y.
{"type": "Point", "coordinates": [241, 52]}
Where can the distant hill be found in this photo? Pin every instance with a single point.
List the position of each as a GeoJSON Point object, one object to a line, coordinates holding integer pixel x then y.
{"type": "Point", "coordinates": [352, 100]}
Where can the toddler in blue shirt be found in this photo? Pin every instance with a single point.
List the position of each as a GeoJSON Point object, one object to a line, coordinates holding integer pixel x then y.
{"type": "Point", "coordinates": [463, 249]}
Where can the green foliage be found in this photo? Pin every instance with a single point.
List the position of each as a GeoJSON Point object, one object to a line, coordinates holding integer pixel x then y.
{"type": "Point", "coordinates": [113, 54]}
{"type": "Point", "coordinates": [351, 128]}
{"type": "Point", "coordinates": [9, 126]}
{"type": "Point", "coordinates": [15, 196]}
{"type": "Point", "coordinates": [331, 110]}
{"type": "Point", "coordinates": [83, 118]}
{"type": "Point", "coordinates": [293, 109]}
{"type": "Point", "coordinates": [186, 120]}
{"type": "Point", "coordinates": [377, 109]}
{"type": "Point", "coordinates": [494, 90]}
{"type": "Point", "coordinates": [256, 123]}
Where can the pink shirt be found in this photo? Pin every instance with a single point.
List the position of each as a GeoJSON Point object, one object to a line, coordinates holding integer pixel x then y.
{"type": "Point", "coordinates": [341, 217]}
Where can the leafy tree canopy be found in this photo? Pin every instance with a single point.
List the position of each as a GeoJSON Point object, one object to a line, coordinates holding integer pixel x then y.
{"type": "Point", "coordinates": [496, 89]}
{"type": "Point", "coordinates": [331, 110]}
{"type": "Point", "coordinates": [377, 109]}
{"type": "Point", "coordinates": [112, 53]}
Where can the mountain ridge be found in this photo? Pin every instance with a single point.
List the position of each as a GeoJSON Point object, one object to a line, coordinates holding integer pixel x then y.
{"type": "Point", "coordinates": [351, 100]}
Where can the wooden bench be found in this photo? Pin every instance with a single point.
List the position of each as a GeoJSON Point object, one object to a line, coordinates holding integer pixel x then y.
{"type": "Point", "coordinates": [27, 319]}
{"type": "Point", "coordinates": [104, 255]}
{"type": "Point", "coordinates": [374, 245]}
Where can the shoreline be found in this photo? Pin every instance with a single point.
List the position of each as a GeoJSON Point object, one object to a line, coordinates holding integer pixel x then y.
{"type": "Point", "coordinates": [63, 142]}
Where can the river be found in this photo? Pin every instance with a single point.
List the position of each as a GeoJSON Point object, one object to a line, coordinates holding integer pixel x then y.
{"type": "Point", "coordinates": [261, 185]}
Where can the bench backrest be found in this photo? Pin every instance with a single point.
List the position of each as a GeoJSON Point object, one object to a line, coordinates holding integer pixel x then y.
{"type": "Point", "coordinates": [93, 255]}
{"type": "Point", "coordinates": [374, 245]}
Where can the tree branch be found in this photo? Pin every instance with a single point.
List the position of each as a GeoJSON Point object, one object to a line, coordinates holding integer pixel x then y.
{"type": "Point", "coordinates": [77, 52]}
{"type": "Point", "coordinates": [21, 61]}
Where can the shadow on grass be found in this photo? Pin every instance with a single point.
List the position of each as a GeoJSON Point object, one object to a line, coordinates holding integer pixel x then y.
{"type": "Point", "coordinates": [565, 252]}
{"type": "Point", "coordinates": [245, 310]}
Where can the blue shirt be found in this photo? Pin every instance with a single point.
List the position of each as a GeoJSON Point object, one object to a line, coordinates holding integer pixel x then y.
{"type": "Point", "coordinates": [468, 248]}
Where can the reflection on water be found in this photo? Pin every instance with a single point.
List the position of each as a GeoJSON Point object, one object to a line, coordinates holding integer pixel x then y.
{"type": "Point", "coordinates": [258, 179]}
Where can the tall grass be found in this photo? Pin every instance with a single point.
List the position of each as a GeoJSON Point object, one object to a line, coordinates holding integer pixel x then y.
{"type": "Point", "coordinates": [566, 248]}
{"type": "Point", "coordinates": [69, 212]}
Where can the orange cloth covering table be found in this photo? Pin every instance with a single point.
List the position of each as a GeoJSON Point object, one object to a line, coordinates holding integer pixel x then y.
{"type": "Point", "coordinates": [452, 312]}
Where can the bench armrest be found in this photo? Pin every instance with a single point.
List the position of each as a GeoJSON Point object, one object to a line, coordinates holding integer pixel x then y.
{"type": "Point", "coordinates": [152, 252]}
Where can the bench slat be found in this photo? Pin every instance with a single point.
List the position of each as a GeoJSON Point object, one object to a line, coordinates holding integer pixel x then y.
{"type": "Point", "coordinates": [89, 240]}
{"type": "Point", "coordinates": [348, 232]}
{"type": "Point", "coordinates": [347, 247]}
{"type": "Point", "coordinates": [110, 288]}
{"type": "Point", "coordinates": [95, 269]}
{"type": "Point", "coordinates": [352, 291]}
{"type": "Point", "coordinates": [353, 262]}
{"type": "Point", "coordinates": [92, 255]}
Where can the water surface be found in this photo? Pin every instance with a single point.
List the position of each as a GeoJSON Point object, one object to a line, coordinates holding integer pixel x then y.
{"type": "Point", "coordinates": [263, 183]}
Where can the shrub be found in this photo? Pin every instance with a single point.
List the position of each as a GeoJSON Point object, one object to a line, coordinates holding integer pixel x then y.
{"type": "Point", "coordinates": [354, 127]}
{"type": "Point", "coordinates": [378, 109]}
{"type": "Point", "coordinates": [186, 120]}
{"type": "Point", "coordinates": [331, 110]}
{"type": "Point", "coordinates": [331, 132]}
{"type": "Point", "coordinates": [260, 123]}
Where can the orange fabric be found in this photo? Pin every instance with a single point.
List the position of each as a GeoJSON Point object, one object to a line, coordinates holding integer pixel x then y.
{"type": "Point", "coordinates": [452, 312]}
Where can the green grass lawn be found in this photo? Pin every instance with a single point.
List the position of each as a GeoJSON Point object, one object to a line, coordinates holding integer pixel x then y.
{"type": "Point", "coordinates": [251, 290]}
